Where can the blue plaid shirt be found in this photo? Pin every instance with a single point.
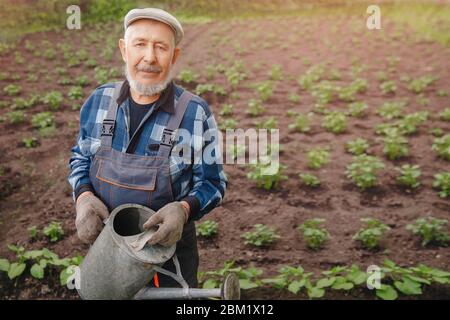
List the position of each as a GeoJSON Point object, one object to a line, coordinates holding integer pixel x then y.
{"type": "Point", "coordinates": [206, 182]}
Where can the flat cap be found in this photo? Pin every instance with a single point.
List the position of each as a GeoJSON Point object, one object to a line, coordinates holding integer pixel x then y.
{"type": "Point", "coordinates": [155, 14]}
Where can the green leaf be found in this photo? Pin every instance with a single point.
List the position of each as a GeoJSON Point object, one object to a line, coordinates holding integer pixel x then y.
{"type": "Point", "coordinates": [295, 286]}
{"type": "Point", "coordinates": [247, 284]}
{"type": "Point", "coordinates": [37, 271]}
{"type": "Point", "coordinates": [16, 269]}
{"type": "Point", "coordinates": [277, 282]}
{"type": "Point", "coordinates": [64, 275]}
{"type": "Point", "coordinates": [408, 287]}
{"type": "Point", "coordinates": [48, 254]}
{"type": "Point", "coordinates": [4, 265]}
{"type": "Point", "coordinates": [210, 284]}
{"type": "Point", "coordinates": [76, 260]}
{"type": "Point", "coordinates": [316, 292]}
{"type": "Point", "coordinates": [43, 263]}
{"type": "Point", "coordinates": [326, 282]}
{"type": "Point", "coordinates": [441, 280]}
{"type": "Point", "coordinates": [417, 279]}
{"type": "Point", "coordinates": [33, 254]}
{"type": "Point", "coordinates": [342, 284]}
{"type": "Point", "coordinates": [60, 262]}
{"type": "Point", "coordinates": [439, 273]}
{"type": "Point", "coordinates": [387, 292]}
{"type": "Point", "coordinates": [390, 264]}
{"type": "Point", "coordinates": [357, 276]}
{"type": "Point", "coordinates": [15, 248]}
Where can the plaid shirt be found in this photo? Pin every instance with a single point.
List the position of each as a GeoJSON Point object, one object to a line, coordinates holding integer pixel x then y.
{"type": "Point", "coordinates": [205, 182]}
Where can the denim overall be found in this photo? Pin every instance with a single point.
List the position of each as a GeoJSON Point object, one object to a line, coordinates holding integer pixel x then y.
{"type": "Point", "coordinates": [120, 177]}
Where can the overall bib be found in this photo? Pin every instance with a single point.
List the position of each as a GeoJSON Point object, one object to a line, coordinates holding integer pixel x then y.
{"type": "Point", "coordinates": [120, 177]}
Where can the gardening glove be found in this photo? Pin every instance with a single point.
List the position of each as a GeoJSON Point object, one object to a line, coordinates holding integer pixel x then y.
{"type": "Point", "coordinates": [90, 215]}
{"type": "Point", "coordinates": [171, 219]}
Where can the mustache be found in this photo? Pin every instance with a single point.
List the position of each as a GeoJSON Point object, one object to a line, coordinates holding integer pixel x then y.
{"type": "Point", "coordinates": [149, 68]}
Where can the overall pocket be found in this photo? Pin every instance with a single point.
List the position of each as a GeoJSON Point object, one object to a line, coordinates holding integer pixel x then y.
{"type": "Point", "coordinates": [120, 183]}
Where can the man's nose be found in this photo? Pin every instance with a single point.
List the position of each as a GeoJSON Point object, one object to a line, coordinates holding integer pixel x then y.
{"type": "Point", "coordinates": [150, 55]}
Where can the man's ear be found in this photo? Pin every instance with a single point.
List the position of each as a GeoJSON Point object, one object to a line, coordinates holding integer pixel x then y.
{"type": "Point", "coordinates": [123, 49]}
{"type": "Point", "coordinates": [176, 54]}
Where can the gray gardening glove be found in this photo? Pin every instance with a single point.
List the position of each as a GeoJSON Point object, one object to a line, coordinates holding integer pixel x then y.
{"type": "Point", "coordinates": [171, 219]}
{"type": "Point", "coordinates": [90, 215]}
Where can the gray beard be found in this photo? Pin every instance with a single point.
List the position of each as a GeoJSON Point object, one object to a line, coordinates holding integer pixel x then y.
{"type": "Point", "coordinates": [148, 90]}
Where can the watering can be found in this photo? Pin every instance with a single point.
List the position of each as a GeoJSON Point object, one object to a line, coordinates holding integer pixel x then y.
{"type": "Point", "coordinates": [120, 263]}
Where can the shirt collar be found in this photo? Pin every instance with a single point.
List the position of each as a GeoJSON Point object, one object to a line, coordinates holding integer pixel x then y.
{"type": "Point", "coordinates": [166, 99]}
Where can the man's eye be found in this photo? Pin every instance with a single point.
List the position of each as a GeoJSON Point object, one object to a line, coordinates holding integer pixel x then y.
{"type": "Point", "coordinates": [139, 44]}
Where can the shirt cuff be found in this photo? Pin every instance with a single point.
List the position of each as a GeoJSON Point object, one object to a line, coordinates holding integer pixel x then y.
{"type": "Point", "coordinates": [194, 205]}
{"type": "Point", "coordinates": [83, 188]}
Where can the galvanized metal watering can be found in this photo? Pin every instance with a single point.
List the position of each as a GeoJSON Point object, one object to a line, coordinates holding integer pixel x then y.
{"type": "Point", "coordinates": [113, 268]}
{"type": "Point", "coordinates": [120, 264]}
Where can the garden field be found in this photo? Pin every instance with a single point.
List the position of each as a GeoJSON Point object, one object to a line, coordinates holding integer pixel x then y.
{"type": "Point", "coordinates": [364, 179]}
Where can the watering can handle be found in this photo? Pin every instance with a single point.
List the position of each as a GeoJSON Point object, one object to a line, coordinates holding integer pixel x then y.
{"type": "Point", "coordinates": [142, 240]}
{"type": "Point", "coordinates": [177, 277]}
{"type": "Point", "coordinates": [139, 244]}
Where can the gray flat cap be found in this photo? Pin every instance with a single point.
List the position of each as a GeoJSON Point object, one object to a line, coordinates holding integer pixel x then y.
{"type": "Point", "coordinates": [155, 14]}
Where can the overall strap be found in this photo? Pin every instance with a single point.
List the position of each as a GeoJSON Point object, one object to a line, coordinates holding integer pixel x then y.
{"type": "Point", "coordinates": [109, 122]}
{"type": "Point", "coordinates": [168, 135]}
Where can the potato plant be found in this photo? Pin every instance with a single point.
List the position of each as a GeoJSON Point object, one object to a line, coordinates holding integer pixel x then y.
{"type": "Point", "coordinates": [40, 260]}
{"type": "Point", "coordinates": [227, 110]}
{"type": "Point", "coordinates": [388, 87]}
{"type": "Point", "coordinates": [207, 229]}
{"type": "Point", "coordinates": [363, 170]}
{"type": "Point", "coordinates": [318, 157]}
{"type": "Point", "coordinates": [395, 146]}
{"type": "Point", "coordinates": [314, 235]}
{"type": "Point", "coordinates": [357, 109]}
{"type": "Point", "coordinates": [12, 90]}
{"type": "Point", "coordinates": [418, 85]}
{"type": "Point", "coordinates": [302, 122]}
{"type": "Point", "coordinates": [442, 147]}
{"type": "Point", "coordinates": [409, 175]}
{"type": "Point", "coordinates": [42, 120]}
{"type": "Point", "coordinates": [391, 110]}
{"type": "Point", "coordinates": [357, 146]}
{"type": "Point", "coordinates": [53, 100]}
{"type": "Point", "coordinates": [371, 235]}
{"type": "Point", "coordinates": [16, 117]}
{"type": "Point", "coordinates": [445, 114]}
{"type": "Point", "coordinates": [264, 90]}
{"type": "Point", "coordinates": [262, 236]}
{"type": "Point", "coordinates": [442, 183]}
{"type": "Point", "coordinates": [188, 76]}
{"type": "Point", "coordinates": [431, 230]}
{"type": "Point", "coordinates": [265, 176]}
{"type": "Point", "coordinates": [309, 179]}
{"type": "Point", "coordinates": [54, 231]}
{"type": "Point", "coordinates": [335, 121]}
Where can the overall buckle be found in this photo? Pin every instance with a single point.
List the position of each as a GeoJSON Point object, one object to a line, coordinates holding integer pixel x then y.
{"type": "Point", "coordinates": [107, 127]}
{"type": "Point", "coordinates": [167, 138]}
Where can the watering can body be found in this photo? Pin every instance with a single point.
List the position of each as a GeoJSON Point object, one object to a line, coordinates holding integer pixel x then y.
{"type": "Point", "coordinates": [111, 268]}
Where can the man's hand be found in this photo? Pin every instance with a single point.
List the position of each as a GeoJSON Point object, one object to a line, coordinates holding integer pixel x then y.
{"type": "Point", "coordinates": [171, 218]}
{"type": "Point", "coordinates": [90, 215]}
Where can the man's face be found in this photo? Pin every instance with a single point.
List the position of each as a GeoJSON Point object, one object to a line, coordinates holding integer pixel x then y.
{"type": "Point", "coordinates": [149, 51]}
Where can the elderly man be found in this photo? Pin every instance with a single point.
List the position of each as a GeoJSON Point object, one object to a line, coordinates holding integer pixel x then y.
{"type": "Point", "coordinates": [126, 145]}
